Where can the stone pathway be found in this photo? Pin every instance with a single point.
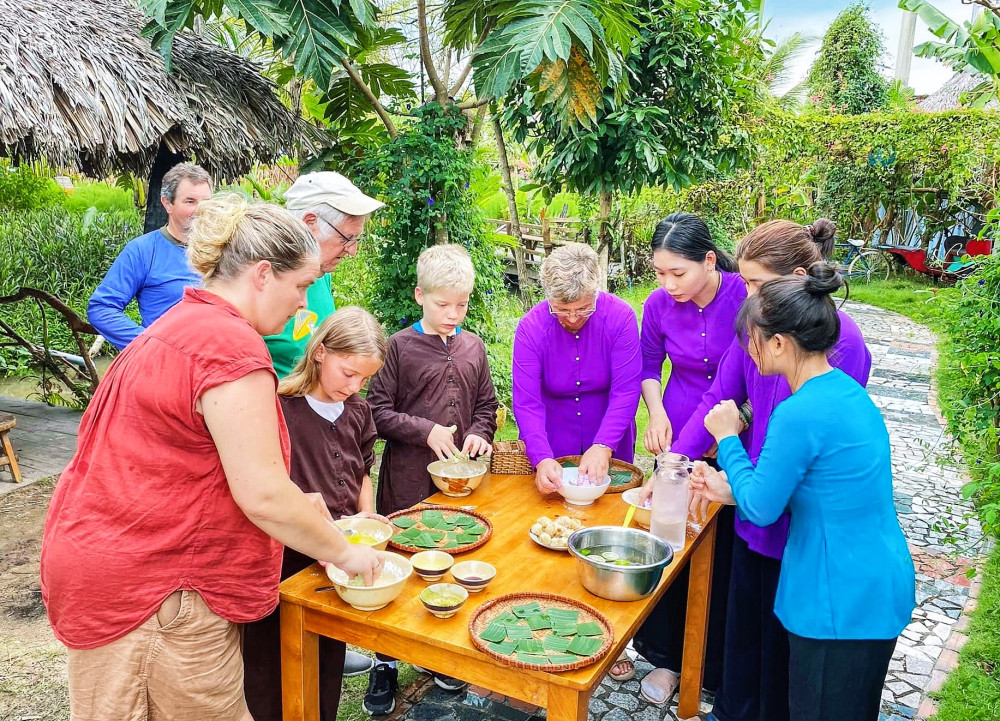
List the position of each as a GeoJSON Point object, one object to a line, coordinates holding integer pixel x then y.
{"type": "Point", "coordinates": [928, 481]}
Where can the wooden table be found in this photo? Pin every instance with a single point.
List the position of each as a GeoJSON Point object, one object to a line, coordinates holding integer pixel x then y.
{"type": "Point", "coordinates": [407, 631]}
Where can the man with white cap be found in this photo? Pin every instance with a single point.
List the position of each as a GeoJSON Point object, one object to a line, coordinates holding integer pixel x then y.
{"type": "Point", "coordinates": [335, 212]}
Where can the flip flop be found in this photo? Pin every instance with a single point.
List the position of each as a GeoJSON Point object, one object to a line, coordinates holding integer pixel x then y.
{"type": "Point", "coordinates": [659, 686]}
{"type": "Point", "coordinates": [623, 660]}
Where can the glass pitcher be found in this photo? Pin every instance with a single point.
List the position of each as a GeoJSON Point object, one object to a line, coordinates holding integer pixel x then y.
{"type": "Point", "coordinates": [671, 498]}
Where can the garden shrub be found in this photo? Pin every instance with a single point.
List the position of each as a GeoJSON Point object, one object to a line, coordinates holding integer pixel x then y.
{"type": "Point", "coordinates": [63, 253]}
{"type": "Point", "coordinates": [104, 197]}
{"type": "Point", "coordinates": [423, 177]}
{"type": "Point", "coordinates": [21, 188]}
{"type": "Point", "coordinates": [972, 312]}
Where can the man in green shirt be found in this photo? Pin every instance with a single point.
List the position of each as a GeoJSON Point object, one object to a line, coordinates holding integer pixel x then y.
{"type": "Point", "coordinates": [335, 212]}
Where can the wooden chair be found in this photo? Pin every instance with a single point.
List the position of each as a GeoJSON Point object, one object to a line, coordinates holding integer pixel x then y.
{"type": "Point", "coordinates": [7, 455]}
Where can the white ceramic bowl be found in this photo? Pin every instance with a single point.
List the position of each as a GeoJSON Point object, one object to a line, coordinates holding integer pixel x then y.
{"type": "Point", "coordinates": [395, 570]}
{"type": "Point", "coordinates": [473, 575]}
{"type": "Point", "coordinates": [381, 532]}
{"type": "Point", "coordinates": [431, 565]}
{"type": "Point", "coordinates": [581, 495]}
{"type": "Point", "coordinates": [642, 515]}
{"type": "Point", "coordinates": [444, 611]}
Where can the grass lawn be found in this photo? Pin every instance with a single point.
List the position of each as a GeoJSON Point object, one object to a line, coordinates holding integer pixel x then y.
{"type": "Point", "coordinates": [972, 691]}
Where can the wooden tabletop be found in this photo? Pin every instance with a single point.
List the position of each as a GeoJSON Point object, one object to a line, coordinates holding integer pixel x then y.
{"type": "Point", "coordinates": [512, 504]}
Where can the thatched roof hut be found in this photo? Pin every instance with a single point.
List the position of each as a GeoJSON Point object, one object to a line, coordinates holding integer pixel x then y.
{"type": "Point", "coordinates": [948, 96]}
{"type": "Point", "coordinates": [80, 85]}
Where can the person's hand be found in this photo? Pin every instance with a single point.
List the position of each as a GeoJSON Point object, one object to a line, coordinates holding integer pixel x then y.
{"type": "Point", "coordinates": [360, 560]}
{"type": "Point", "coordinates": [724, 420]}
{"type": "Point", "coordinates": [707, 486]}
{"type": "Point", "coordinates": [441, 440]}
{"type": "Point", "coordinates": [659, 434]}
{"type": "Point", "coordinates": [645, 493]}
{"type": "Point", "coordinates": [548, 476]}
{"type": "Point", "coordinates": [595, 462]}
{"type": "Point", "coordinates": [368, 514]}
{"type": "Point", "coordinates": [475, 446]}
{"type": "Point", "coordinates": [317, 502]}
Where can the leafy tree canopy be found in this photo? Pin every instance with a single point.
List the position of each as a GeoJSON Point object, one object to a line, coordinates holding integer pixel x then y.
{"type": "Point", "coordinates": [844, 78]}
{"type": "Point", "coordinates": [691, 74]}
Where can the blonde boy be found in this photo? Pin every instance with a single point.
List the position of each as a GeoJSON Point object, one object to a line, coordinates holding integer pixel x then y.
{"type": "Point", "coordinates": [435, 377]}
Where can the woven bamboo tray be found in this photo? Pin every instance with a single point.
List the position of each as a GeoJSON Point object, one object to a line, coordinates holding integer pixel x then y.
{"type": "Point", "coordinates": [415, 514]}
{"type": "Point", "coordinates": [510, 459]}
{"type": "Point", "coordinates": [491, 609]}
{"type": "Point", "coordinates": [616, 469]}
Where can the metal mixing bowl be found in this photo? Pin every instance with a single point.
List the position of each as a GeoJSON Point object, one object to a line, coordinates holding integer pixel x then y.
{"type": "Point", "coordinates": [620, 583]}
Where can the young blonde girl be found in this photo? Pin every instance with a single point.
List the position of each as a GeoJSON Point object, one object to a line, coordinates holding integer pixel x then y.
{"type": "Point", "coordinates": [333, 440]}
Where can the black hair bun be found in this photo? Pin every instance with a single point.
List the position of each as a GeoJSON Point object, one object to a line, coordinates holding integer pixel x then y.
{"type": "Point", "coordinates": [822, 279]}
{"type": "Point", "coordinates": [822, 231]}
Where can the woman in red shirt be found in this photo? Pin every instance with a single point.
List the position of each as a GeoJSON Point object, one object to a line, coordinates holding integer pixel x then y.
{"type": "Point", "coordinates": [166, 529]}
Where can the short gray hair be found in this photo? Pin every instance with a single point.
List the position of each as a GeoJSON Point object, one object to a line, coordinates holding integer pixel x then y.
{"type": "Point", "coordinates": [326, 213]}
{"type": "Point", "coordinates": [570, 273]}
{"type": "Point", "coordinates": [182, 171]}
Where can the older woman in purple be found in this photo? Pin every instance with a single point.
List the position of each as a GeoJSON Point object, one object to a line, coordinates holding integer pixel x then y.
{"type": "Point", "coordinates": [576, 371]}
{"type": "Point", "coordinates": [690, 320]}
{"type": "Point", "coordinates": [755, 665]}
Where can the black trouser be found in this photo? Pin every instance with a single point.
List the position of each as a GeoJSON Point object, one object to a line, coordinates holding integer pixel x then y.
{"type": "Point", "coordinates": [262, 660]}
{"type": "Point", "coordinates": [833, 680]}
{"type": "Point", "coordinates": [755, 666]}
{"type": "Point", "coordinates": [660, 639]}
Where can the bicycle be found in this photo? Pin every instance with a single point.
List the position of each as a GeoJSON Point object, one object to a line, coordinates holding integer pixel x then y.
{"type": "Point", "coordinates": [865, 264]}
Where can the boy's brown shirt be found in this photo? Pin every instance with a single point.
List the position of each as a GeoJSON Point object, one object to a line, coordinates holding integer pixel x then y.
{"type": "Point", "coordinates": [424, 382]}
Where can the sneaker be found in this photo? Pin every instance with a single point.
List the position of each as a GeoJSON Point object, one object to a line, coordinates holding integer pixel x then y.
{"type": "Point", "coordinates": [356, 664]}
{"type": "Point", "coordinates": [383, 683]}
{"type": "Point", "coordinates": [448, 683]}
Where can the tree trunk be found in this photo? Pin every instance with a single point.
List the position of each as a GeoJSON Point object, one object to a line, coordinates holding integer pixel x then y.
{"type": "Point", "coordinates": [515, 223]}
{"type": "Point", "coordinates": [156, 215]}
{"type": "Point", "coordinates": [604, 236]}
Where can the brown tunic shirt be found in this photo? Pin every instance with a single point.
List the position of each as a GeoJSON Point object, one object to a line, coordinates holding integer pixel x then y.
{"type": "Point", "coordinates": [331, 458]}
{"type": "Point", "coordinates": [424, 382]}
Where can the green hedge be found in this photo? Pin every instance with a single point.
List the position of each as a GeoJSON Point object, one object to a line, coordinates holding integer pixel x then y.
{"type": "Point", "coordinates": [844, 168]}
{"type": "Point", "coordinates": [61, 252]}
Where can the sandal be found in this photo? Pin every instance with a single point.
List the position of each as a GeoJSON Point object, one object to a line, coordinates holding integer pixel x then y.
{"type": "Point", "coordinates": [625, 662]}
{"type": "Point", "coordinates": [659, 686]}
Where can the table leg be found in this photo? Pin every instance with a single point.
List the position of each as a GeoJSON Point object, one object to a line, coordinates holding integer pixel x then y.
{"type": "Point", "coordinates": [696, 624]}
{"type": "Point", "coordinates": [565, 704]}
{"type": "Point", "coordinates": [299, 666]}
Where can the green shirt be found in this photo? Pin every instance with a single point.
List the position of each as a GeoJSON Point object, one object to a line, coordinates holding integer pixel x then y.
{"type": "Point", "coordinates": [288, 346]}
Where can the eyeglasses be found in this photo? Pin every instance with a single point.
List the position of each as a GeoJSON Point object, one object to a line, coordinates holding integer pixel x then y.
{"type": "Point", "coordinates": [567, 314]}
{"type": "Point", "coordinates": [347, 241]}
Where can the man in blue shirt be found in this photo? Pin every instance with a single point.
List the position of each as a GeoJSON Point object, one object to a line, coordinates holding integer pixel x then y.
{"type": "Point", "coordinates": [152, 268]}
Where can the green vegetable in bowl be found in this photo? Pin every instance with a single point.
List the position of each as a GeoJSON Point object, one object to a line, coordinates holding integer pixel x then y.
{"type": "Point", "coordinates": [444, 599]}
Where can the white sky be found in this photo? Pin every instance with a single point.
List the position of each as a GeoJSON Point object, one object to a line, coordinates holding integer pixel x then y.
{"type": "Point", "coordinates": [813, 18]}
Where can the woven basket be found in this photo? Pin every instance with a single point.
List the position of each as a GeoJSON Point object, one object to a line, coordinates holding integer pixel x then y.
{"type": "Point", "coordinates": [615, 468]}
{"type": "Point", "coordinates": [491, 609]}
{"type": "Point", "coordinates": [510, 459]}
{"type": "Point", "coordinates": [415, 514]}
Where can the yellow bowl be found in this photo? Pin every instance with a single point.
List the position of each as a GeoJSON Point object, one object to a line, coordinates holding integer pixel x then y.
{"type": "Point", "coordinates": [457, 479]}
{"type": "Point", "coordinates": [367, 531]}
{"type": "Point", "coordinates": [387, 587]}
{"type": "Point", "coordinates": [431, 565]}
{"type": "Point", "coordinates": [642, 515]}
